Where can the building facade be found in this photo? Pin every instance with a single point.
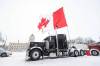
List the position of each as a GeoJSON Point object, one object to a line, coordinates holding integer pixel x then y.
{"type": "Point", "coordinates": [14, 47]}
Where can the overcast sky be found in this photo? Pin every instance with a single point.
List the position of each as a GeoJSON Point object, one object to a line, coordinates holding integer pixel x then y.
{"type": "Point", "coordinates": [19, 18]}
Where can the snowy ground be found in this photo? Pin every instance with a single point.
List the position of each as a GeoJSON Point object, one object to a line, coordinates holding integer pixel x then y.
{"type": "Point", "coordinates": [18, 59]}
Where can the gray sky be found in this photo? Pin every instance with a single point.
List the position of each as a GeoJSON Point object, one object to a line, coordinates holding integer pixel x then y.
{"type": "Point", "coordinates": [19, 18]}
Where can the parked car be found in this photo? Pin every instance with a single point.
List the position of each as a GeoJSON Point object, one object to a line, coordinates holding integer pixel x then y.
{"type": "Point", "coordinates": [4, 53]}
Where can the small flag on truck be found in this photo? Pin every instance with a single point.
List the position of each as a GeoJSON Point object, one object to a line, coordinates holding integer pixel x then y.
{"type": "Point", "coordinates": [43, 23]}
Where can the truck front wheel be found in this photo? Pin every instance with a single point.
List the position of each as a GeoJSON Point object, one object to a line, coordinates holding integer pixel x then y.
{"type": "Point", "coordinates": [35, 54]}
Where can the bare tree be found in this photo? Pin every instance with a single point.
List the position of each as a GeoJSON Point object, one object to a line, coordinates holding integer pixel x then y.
{"type": "Point", "coordinates": [79, 40]}
{"type": "Point", "coordinates": [1, 39]}
{"type": "Point", "coordinates": [89, 40]}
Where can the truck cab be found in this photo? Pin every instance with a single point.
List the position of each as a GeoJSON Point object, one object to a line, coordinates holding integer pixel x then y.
{"type": "Point", "coordinates": [51, 43]}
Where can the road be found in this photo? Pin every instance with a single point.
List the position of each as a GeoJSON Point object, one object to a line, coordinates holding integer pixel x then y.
{"type": "Point", "coordinates": [18, 59]}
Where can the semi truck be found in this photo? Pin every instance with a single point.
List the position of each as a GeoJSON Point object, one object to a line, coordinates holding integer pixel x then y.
{"type": "Point", "coordinates": [56, 44]}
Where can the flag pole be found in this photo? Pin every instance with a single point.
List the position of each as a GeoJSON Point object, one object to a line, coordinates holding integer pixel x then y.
{"type": "Point", "coordinates": [57, 43]}
{"type": "Point", "coordinates": [68, 37]}
{"type": "Point", "coordinates": [49, 35]}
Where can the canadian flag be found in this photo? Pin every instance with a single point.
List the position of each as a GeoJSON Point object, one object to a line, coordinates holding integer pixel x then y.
{"type": "Point", "coordinates": [43, 23]}
{"type": "Point", "coordinates": [59, 20]}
